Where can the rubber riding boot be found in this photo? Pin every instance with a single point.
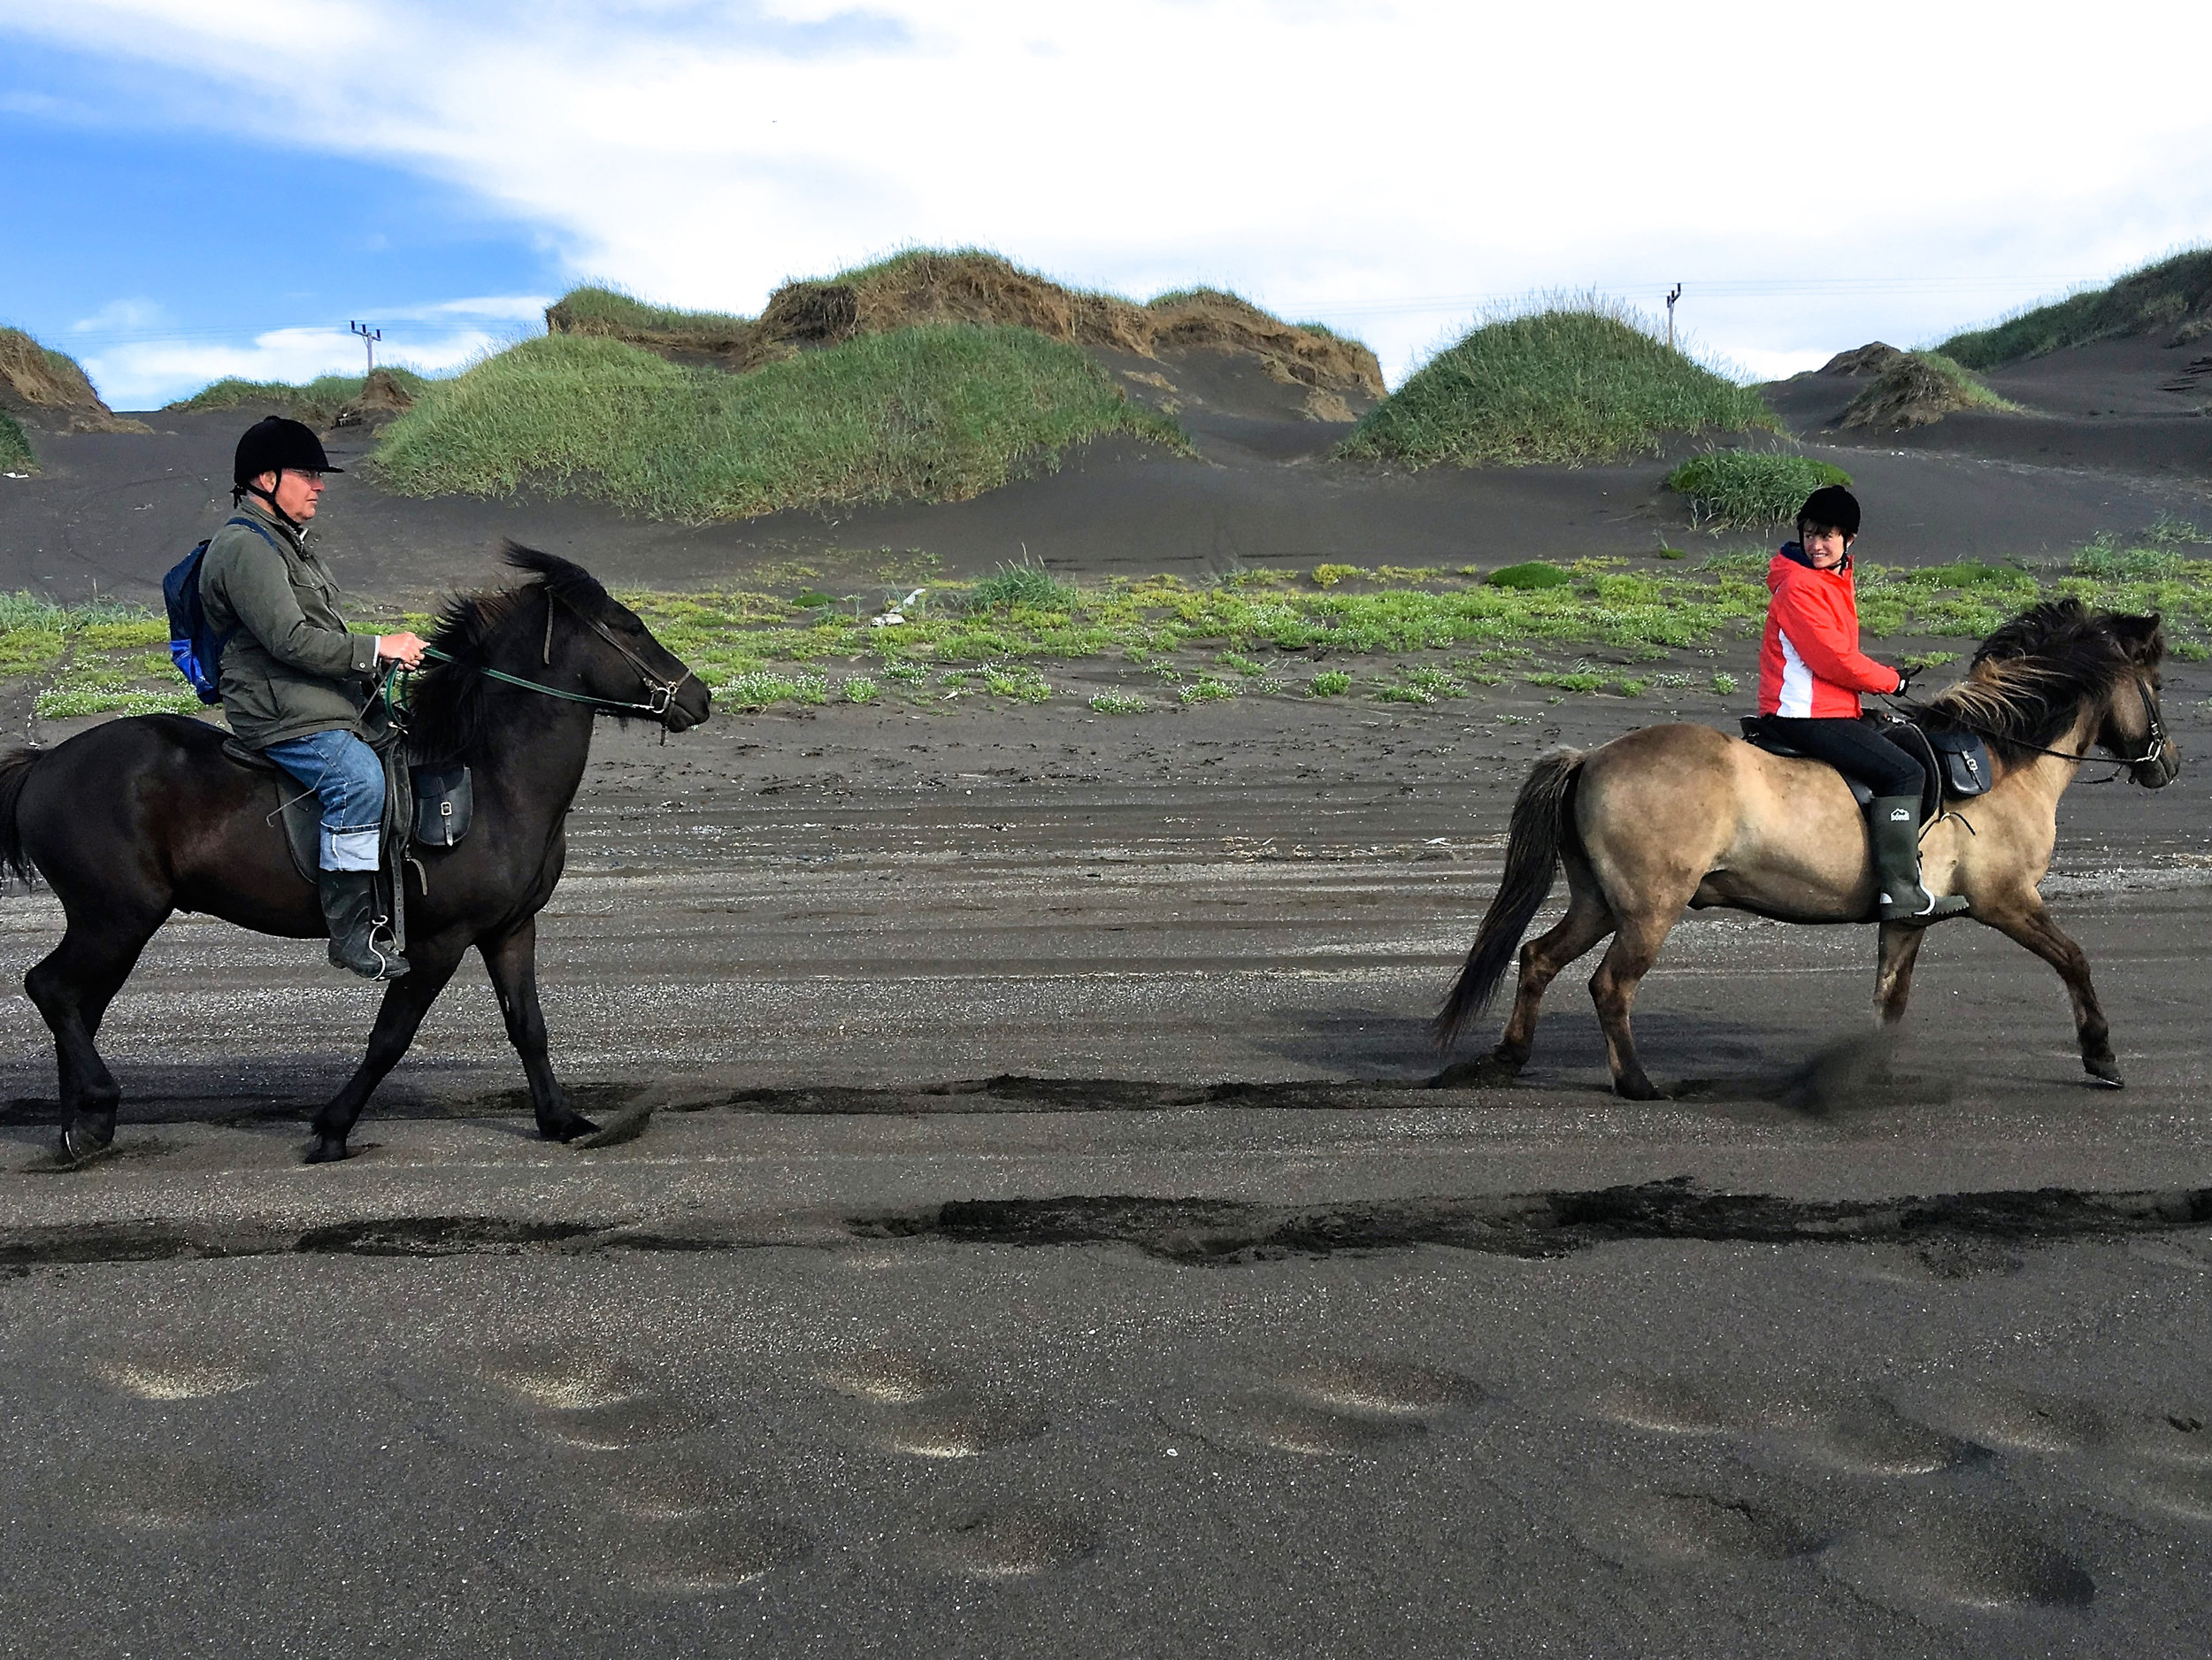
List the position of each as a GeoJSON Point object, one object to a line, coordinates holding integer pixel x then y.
{"type": "Point", "coordinates": [349, 911]}
{"type": "Point", "coordinates": [1896, 822]}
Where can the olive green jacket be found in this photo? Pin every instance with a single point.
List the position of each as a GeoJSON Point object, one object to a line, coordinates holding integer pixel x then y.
{"type": "Point", "coordinates": [292, 668]}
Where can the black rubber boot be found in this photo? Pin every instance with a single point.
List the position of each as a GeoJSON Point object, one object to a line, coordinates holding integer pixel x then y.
{"type": "Point", "coordinates": [350, 911]}
{"type": "Point", "coordinates": [1895, 823]}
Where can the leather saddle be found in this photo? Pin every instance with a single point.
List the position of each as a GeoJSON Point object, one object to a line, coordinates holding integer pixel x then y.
{"type": "Point", "coordinates": [444, 799]}
{"type": "Point", "coordinates": [1954, 764]}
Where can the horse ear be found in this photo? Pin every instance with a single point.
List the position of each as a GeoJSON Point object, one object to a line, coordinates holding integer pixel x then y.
{"type": "Point", "coordinates": [2140, 638]}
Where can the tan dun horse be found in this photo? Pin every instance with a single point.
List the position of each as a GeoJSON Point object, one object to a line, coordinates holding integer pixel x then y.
{"type": "Point", "coordinates": [1672, 816]}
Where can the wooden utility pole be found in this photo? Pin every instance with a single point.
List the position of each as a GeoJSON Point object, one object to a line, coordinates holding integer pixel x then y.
{"type": "Point", "coordinates": [1672, 295]}
{"type": "Point", "coordinates": [370, 336]}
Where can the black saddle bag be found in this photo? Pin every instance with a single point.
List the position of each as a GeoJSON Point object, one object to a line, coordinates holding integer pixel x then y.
{"type": "Point", "coordinates": [445, 802]}
{"type": "Point", "coordinates": [1965, 759]}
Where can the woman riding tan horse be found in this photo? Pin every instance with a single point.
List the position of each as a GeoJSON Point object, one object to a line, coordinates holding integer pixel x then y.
{"type": "Point", "coordinates": [1680, 815]}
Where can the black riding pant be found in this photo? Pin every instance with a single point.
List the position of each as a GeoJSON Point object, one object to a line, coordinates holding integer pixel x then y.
{"type": "Point", "coordinates": [1856, 750]}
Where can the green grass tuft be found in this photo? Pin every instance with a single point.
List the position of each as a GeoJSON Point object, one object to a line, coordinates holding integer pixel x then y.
{"type": "Point", "coordinates": [1748, 487]}
{"type": "Point", "coordinates": [595, 310]}
{"type": "Point", "coordinates": [2173, 294]}
{"type": "Point", "coordinates": [937, 413]}
{"type": "Point", "coordinates": [1118, 703]}
{"type": "Point", "coordinates": [1533, 574]}
{"type": "Point", "coordinates": [15, 448]}
{"type": "Point", "coordinates": [1024, 584]}
{"type": "Point", "coordinates": [1558, 386]}
{"type": "Point", "coordinates": [1329, 683]}
{"type": "Point", "coordinates": [316, 401]}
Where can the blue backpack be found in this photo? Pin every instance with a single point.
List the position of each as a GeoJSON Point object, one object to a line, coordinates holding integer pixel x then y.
{"type": "Point", "coordinates": [194, 648]}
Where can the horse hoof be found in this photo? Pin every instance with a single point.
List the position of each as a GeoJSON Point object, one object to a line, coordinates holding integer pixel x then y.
{"type": "Point", "coordinates": [2106, 1073]}
{"type": "Point", "coordinates": [328, 1150]}
{"type": "Point", "coordinates": [1638, 1089]}
{"type": "Point", "coordinates": [569, 1129]}
{"type": "Point", "coordinates": [81, 1147]}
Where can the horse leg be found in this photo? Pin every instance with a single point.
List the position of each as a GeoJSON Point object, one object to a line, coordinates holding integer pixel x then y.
{"type": "Point", "coordinates": [2025, 921]}
{"type": "Point", "coordinates": [1588, 920]}
{"type": "Point", "coordinates": [430, 964]}
{"type": "Point", "coordinates": [511, 961]}
{"type": "Point", "coordinates": [1635, 947]}
{"type": "Point", "coordinates": [1892, 980]}
{"type": "Point", "coordinates": [72, 987]}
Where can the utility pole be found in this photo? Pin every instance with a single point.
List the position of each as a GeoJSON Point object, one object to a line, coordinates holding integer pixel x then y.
{"type": "Point", "coordinates": [370, 336]}
{"type": "Point", "coordinates": [1673, 294]}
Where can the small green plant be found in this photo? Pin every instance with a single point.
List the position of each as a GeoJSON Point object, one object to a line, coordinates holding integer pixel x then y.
{"type": "Point", "coordinates": [1533, 573]}
{"type": "Point", "coordinates": [762, 687]}
{"type": "Point", "coordinates": [15, 448]}
{"type": "Point", "coordinates": [1242, 665]}
{"type": "Point", "coordinates": [1672, 682]}
{"type": "Point", "coordinates": [1206, 689]}
{"type": "Point", "coordinates": [1747, 488]}
{"type": "Point", "coordinates": [1929, 660]}
{"type": "Point", "coordinates": [1118, 703]}
{"type": "Point", "coordinates": [2169, 530]}
{"type": "Point", "coordinates": [812, 600]}
{"type": "Point", "coordinates": [2104, 557]}
{"type": "Point", "coordinates": [1330, 575]}
{"type": "Point", "coordinates": [1026, 585]}
{"type": "Point", "coordinates": [1631, 689]}
{"type": "Point", "coordinates": [1017, 681]}
{"type": "Point", "coordinates": [906, 673]}
{"type": "Point", "coordinates": [1674, 553]}
{"type": "Point", "coordinates": [1724, 683]}
{"type": "Point", "coordinates": [2189, 650]}
{"type": "Point", "coordinates": [1583, 681]}
{"type": "Point", "coordinates": [1329, 683]}
{"type": "Point", "coordinates": [858, 688]}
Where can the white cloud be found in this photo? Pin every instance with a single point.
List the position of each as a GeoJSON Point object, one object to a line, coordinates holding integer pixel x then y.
{"type": "Point", "coordinates": [1326, 159]}
{"type": "Point", "coordinates": [147, 373]}
{"type": "Point", "coordinates": [118, 315]}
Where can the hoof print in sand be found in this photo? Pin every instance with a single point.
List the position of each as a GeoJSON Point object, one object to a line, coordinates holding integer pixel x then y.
{"type": "Point", "coordinates": [1667, 1406]}
{"type": "Point", "coordinates": [175, 1375]}
{"type": "Point", "coordinates": [2176, 1490]}
{"type": "Point", "coordinates": [664, 1489]}
{"type": "Point", "coordinates": [1012, 1544]}
{"type": "Point", "coordinates": [1695, 1527]}
{"type": "Point", "coordinates": [1394, 1388]}
{"type": "Point", "coordinates": [2026, 1421]}
{"type": "Point", "coordinates": [1872, 1438]}
{"type": "Point", "coordinates": [560, 1380]}
{"type": "Point", "coordinates": [887, 1379]}
{"type": "Point", "coordinates": [163, 1491]}
{"type": "Point", "coordinates": [620, 1423]}
{"type": "Point", "coordinates": [1283, 1421]}
{"type": "Point", "coordinates": [717, 1551]}
{"type": "Point", "coordinates": [1965, 1562]}
{"type": "Point", "coordinates": [955, 1426]}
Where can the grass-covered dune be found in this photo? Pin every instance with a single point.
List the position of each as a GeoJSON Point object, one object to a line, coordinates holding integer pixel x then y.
{"type": "Point", "coordinates": [973, 285]}
{"type": "Point", "coordinates": [316, 401]}
{"type": "Point", "coordinates": [2173, 296]}
{"type": "Point", "coordinates": [52, 388]}
{"type": "Point", "coordinates": [1917, 389]}
{"type": "Point", "coordinates": [1578, 383]}
{"type": "Point", "coordinates": [940, 413]}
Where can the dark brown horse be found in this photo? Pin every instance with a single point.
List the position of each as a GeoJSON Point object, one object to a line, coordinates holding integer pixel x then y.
{"type": "Point", "coordinates": [139, 818]}
{"type": "Point", "coordinates": [1672, 816]}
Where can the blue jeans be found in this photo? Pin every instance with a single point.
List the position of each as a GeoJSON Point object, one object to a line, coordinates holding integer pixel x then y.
{"type": "Point", "coordinates": [348, 781]}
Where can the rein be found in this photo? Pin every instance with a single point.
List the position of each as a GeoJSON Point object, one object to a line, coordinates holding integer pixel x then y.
{"type": "Point", "coordinates": [2156, 733]}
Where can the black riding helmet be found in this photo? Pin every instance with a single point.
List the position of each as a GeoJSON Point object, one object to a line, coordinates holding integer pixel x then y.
{"type": "Point", "coordinates": [275, 444]}
{"type": "Point", "coordinates": [1832, 506]}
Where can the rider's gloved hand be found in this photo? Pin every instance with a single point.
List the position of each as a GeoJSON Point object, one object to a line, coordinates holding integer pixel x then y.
{"type": "Point", "coordinates": [1904, 681]}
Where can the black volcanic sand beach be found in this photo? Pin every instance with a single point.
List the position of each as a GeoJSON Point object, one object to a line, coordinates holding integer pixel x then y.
{"type": "Point", "coordinates": [1025, 1225]}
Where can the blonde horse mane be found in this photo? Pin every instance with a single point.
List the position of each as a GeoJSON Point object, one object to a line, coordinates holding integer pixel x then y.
{"type": "Point", "coordinates": [2028, 683]}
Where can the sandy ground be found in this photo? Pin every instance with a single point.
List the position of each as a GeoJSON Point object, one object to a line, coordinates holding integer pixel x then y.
{"type": "Point", "coordinates": [1036, 1237]}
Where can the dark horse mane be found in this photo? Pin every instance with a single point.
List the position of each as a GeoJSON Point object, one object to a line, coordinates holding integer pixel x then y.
{"type": "Point", "coordinates": [2028, 681]}
{"type": "Point", "coordinates": [446, 702]}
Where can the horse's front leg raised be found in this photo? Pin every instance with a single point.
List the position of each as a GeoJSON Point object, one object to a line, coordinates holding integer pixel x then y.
{"type": "Point", "coordinates": [430, 964]}
{"type": "Point", "coordinates": [2025, 919]}
{"type": "Point", "coordinates": [512, 963]}
{"type": "Point", "coordinates": [1892, 980]}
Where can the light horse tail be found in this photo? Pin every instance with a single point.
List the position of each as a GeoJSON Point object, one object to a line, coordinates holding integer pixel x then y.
{"type": "Point", "coordinates": [15, 772]}
{"type": "Point", "coordinates": [1542, 825]}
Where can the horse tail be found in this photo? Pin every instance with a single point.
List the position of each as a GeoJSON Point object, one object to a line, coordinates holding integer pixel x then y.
{"type": "Point", "coordinates": [1542, 824]}
{"type": "Point", "coordinates": [15, 771]}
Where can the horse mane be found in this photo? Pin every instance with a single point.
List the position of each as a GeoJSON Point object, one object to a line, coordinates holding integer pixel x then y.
{"type": "Point", "coordinates": [2028, 681]}
{"type": "Point", "coordinates": [446, 704]}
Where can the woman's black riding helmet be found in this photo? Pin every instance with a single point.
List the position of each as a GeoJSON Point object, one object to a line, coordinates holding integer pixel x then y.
{"type": "Point", "coordinates": [274, 444]}
{"type": "Point", "coordinates": [1831, 507]}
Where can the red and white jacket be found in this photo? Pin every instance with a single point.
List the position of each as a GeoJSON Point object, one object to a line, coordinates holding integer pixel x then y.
{"type": "Point", "coordinates": [1811, 666]}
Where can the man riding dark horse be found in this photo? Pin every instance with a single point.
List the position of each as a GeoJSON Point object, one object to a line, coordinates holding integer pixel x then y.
{"type": "Point", "coordinates": [296, 684]}
{"type": "Point", "coordinates": [1811, 673]}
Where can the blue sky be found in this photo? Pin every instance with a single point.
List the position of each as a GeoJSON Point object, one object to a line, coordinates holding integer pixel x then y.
{"type": "Point", "coordinates": [194, 189]}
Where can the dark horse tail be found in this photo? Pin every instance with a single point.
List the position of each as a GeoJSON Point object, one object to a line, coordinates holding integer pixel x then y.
{"type": "Point", "coordinates": [15, 771]}
{"type": "Point", "coordinates": [1541, 824]}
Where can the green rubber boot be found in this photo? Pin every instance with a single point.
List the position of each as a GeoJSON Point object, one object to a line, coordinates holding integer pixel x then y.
{"type": "Point", "coordinates": [1894, 821]}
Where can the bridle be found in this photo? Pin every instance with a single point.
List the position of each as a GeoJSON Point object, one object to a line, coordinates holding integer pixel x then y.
{"type": "Point", "coordinates": [660, 693]}
{"type": "Point", "coordinates": [2154, 731]}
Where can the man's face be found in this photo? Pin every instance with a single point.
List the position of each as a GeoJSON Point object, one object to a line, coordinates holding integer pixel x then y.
{"type": "Point", "coordinates": [296, 492]}
{"type": "Point", "coordinates": [1824, 546]}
